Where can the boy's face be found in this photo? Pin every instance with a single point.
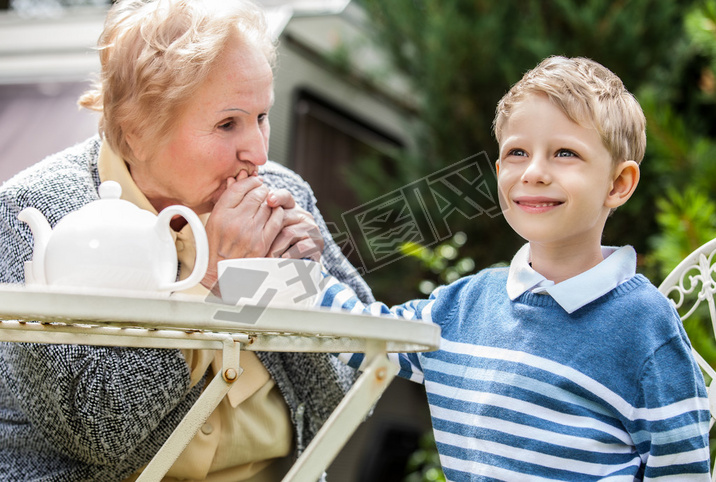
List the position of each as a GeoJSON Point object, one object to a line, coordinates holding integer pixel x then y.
{"type": "Point", "coordinates": [554, 177]}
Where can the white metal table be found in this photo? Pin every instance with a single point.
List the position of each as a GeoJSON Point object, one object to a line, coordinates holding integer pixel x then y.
{"type": "Point", "coordinates": [187, 322]}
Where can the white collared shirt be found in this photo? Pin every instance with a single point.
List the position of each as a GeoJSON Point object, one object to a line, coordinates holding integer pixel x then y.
{"type": "Point", "coordinates": [619, 265]}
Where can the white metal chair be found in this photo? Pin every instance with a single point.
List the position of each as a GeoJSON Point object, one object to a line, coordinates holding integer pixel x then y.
{"type": "Point", "coordinates": [691, 284]}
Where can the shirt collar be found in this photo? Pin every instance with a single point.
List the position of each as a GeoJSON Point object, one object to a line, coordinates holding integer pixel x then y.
{"type": "Point", "coordinates": [618, 266]}
{"type": "Point", "coordinates": [113, 168]}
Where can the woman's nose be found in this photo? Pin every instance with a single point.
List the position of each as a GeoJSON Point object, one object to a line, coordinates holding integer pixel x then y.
{"type": "Point", "coordinates": [253, 147]}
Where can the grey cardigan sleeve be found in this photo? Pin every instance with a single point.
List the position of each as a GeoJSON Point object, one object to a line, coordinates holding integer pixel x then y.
{"type": "Point", "coordinates": [97, 405]}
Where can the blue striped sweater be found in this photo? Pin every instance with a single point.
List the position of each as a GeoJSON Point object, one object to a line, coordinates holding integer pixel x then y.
{"type": "Point", "coordinates": [521, 390]}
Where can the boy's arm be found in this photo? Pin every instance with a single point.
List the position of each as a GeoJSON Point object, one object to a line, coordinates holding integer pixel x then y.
{"type": "Point", "coordinates": [337, 296]}
{"type": "Point", "coordinates": [672, 432]}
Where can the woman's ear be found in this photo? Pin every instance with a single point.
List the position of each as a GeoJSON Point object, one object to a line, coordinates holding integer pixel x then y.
{"type": "Point", "coordinates": [135, 143]}
{"type": "Point", "coordinates": [626, 178]}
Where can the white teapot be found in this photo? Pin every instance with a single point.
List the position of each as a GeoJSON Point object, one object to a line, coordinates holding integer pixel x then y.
{"type": "Point", "coordinates": [111, 244]}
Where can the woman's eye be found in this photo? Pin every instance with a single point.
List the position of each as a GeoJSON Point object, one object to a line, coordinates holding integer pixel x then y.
{"type": "Point", "coordinates": [226, 125]}
{"type": "Point", "coordinates": [565, 153]}
{"type": "Point", "coordinates": [263, 118]}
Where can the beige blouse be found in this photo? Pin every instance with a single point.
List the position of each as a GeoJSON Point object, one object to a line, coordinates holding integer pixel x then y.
{"type": "Point", "coordinates": [251, 427]}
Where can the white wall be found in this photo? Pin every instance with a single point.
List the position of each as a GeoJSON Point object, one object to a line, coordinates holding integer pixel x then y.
{"type": "Point", "coordinates": [40, 119]}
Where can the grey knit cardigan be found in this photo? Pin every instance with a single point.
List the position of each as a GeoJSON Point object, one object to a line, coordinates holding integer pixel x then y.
{"type": "Point", "coordinates": [81, 413]}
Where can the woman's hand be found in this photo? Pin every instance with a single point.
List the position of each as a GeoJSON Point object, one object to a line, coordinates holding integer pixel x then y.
{"type": "Point", "coordinates": [249, 221]}
{"type": "Point", "coordinates": [242, 224]}
{"type": "Point", "coordinates": [300, 236]}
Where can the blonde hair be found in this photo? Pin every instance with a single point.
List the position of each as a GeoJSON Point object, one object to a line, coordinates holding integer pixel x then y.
{"type": "Point", "coordinates": [590, 95]}
{"type": "Point", "coordinates": [156, 54]}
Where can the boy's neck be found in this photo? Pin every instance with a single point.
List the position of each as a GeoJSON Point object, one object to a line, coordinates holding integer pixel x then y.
{"type": "Point", "coordinates": [558, 264]}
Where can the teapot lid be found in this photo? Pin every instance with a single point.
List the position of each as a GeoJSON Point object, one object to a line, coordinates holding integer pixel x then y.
{"type": "Point", "coordinates": [109, 210]}
{"type": "Point", "coordinates": [110, 190]}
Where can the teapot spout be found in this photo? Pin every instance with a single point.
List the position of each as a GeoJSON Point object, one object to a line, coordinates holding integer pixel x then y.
{"type": "Point", "coordinates": [41, 232]}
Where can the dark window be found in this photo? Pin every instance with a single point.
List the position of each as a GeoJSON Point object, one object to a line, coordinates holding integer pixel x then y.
{"type": "Point", "coordinates": [327, 140]}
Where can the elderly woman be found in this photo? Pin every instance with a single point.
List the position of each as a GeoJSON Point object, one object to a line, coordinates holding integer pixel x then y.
{"type": "Point", "coordinates": [184, 96]}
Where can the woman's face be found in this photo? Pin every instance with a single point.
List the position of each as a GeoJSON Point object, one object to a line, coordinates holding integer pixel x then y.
{"type": "Point", "coordinates": [223, 131]}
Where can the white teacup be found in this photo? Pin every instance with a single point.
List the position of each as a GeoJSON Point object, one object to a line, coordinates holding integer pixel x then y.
{"type": "Point", "coordinates": [269, 281]}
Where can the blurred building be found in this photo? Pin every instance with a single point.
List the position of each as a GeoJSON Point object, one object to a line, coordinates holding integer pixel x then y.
{"type": "Point", "coordinates": [331, 110]}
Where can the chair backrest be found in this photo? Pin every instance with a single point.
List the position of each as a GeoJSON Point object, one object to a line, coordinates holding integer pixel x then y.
{"type": "Point", "coordinates": [691, 284]}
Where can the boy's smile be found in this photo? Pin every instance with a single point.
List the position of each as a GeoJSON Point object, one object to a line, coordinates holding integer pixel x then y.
{"type": "Point", "coordinates": [536, 204]}
{"type": "Point", "coordinates": [556, 178]}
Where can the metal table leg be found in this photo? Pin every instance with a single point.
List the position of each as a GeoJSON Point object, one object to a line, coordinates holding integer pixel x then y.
{"type": "Point", "coordinates": [344, 420]}
{"type": "Point", "coordinates": [197, 415]}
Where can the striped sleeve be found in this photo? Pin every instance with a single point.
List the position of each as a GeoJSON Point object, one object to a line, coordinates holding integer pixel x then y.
{"type": "Point", "coordinates": [337, 296]}
{"type": "Point", "coordinates": [671, 430]}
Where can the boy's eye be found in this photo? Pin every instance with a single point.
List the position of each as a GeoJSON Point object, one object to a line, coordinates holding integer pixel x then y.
{"type": "Point", "coordinates": [516, 152]}
{"type": "Point", "coordinates": [565, 153]}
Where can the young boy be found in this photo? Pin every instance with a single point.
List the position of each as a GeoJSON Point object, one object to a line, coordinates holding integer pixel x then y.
{"type": "Point", "coordinates": [567, 365]}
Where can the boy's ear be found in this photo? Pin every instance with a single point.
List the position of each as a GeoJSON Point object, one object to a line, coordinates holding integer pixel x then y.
{"type": "Point", "coordinates": [497, 167]}
{"type": "Point", "coordinates": [626, 178]}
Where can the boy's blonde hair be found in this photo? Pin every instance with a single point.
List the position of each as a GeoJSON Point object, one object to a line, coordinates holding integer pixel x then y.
{"type": "Point", "coordinates": [156, 54]}
{"type": "Point", "coordinates": [590, 95]}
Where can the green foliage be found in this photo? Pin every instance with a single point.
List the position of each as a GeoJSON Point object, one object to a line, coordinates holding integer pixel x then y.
{"type": "Point", "coordinates": [424, 463]}
{"type": "Point", "coordinates": [687, 220]}
{"type": "Point", "coordinates": [442, 261]}
{"type": "Point", "coordinates": [676, 150]}
{"type": "Point", "coordinates": [463, 55]}
{"type": "Point", "coordinates": [701, 28]}
{"type": "Point", "coordinates": [679, 175]}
